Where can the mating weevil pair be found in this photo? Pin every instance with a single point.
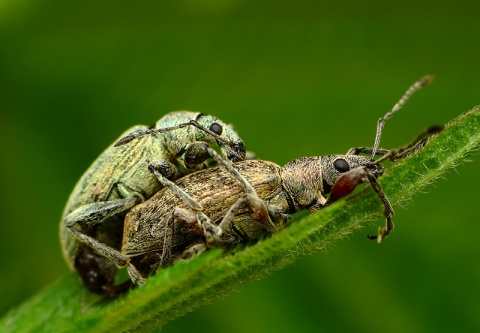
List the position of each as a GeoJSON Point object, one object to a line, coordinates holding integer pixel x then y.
{"type": "Point", "coordinates": [228, 205]}
{"type": "Point", "coordinates": [124, 176]}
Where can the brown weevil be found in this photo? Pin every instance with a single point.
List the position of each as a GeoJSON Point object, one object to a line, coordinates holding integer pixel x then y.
{"type": "Point", "coordinates": [125, 175]}
{"type": "Point", "coordinates": [241, 203]}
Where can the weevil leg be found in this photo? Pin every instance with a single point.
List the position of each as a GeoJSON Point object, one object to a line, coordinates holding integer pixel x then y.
{"type": "Point", "coordinates": [190, 219]}
{"type": "Point", "coordinates": [192, 251]}
{"type": "Point", "coordinates": [166, 169]}
{"type": "Point", "coordinates": [211, 231]}
{"type": "Point", "coordinates": [197, 223]}
{"type": "Point", "coordinates": [198, 149]}
{"type": "Point", "coordinates": [168, 242]}
{"type": "Point", "coordinates": [349, 181]}
{"type": "Point", "coordinates": [366, 150]}
{"type": "Point", "coordinates": [231, 169]}
{"type": "Point", "coordinates": [96, 271]}
{"type": "Point", "coordinates": [388, 212]}
{"type": "Point", "coordinates": [156, 168]}
{"type": "Point", "coordinates": [259, 212]}
{"type": "Point", "coordinates": [401, 152]}
{"type": "Point", "coordinates": [195, 154]}
{"type": "Point", "coordinates": [97, 212]}
{"type": "Point", "coordinates": [114, 255]}
{"type": "Point", "coordinates": [232, 211]}
{"type": "Point", "coordinates": [135, 275]}
{"type": "Point", "coordinates": [418, 143]}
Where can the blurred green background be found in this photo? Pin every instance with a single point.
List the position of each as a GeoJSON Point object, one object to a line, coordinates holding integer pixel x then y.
{"type": "Point", "coordinates": [296, 78]}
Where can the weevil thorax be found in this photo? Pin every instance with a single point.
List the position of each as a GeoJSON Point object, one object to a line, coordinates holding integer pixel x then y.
{"type": "Point", "coordinates": [308, 180]}
{"type": "Point", "coordinates": [175, 141]}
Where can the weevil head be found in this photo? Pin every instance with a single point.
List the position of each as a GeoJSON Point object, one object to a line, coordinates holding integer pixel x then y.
{"type": "Point", "coordinates": [335, 166]}
{"type": "Point", "coordinates": [180, 128]}
{"type": "Point", "coordinates": [226, 138]}
{"type": "Point", "coordinates": [309, 180]}
{"type": "Point", "coordinates": [349, 178]}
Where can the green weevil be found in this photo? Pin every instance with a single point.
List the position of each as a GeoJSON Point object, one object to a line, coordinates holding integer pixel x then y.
{"type": "Point", "coordinates": [125, 175]}
{"type": "Point", "coordinates": [244, 202]}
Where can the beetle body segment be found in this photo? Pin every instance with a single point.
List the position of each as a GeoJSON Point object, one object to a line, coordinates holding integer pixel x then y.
{"type": "Point", "coordinates": [120, 178]}
{"type": "Point", "coordinates": [301, 184]}
{"type": "Point", "coordinates": [216, 190]}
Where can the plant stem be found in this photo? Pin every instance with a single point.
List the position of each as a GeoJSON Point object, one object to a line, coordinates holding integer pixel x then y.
{"type": "Point", "coordinates": [66, 306]}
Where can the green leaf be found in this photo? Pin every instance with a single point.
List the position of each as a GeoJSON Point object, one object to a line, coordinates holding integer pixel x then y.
{"type": "Point", "coordinates": [66, 306]}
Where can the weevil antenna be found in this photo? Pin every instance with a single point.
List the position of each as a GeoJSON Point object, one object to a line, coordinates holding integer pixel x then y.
{"type": "Point", "coordinates": [416, 86]}
{"type": "Point", "coordinates": [133, 136]}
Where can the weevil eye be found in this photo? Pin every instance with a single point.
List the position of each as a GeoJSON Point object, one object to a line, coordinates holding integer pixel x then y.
{"type": "Point", "coordinates": [341, 165]}
{"type": "Point", "coordinates": [216, 128]}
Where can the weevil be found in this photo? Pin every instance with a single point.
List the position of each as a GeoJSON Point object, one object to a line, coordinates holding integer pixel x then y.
{"type": "Point", "coordinates": [124, 175]}
{"type": "Point", "coordinates": [230, 205]}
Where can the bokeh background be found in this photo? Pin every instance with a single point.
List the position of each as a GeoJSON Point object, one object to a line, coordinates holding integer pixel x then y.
{"type": "Point", "coordinates": [297, 78]}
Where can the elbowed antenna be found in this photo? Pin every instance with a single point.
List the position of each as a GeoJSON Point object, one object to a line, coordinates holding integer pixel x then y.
{"type": "Point", "coordinates": [416, 86]}
{"type": "Point", "coordinates": [133, 136]}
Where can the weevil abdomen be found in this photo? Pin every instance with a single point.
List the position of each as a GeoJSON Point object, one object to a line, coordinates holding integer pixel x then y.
{"type": "Point", "coordinates": [145, 223]}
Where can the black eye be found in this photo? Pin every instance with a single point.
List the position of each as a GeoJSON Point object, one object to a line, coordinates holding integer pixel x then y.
{"type": "Point", "coordinates": [216, 128]}
{"type": "Point", "coordinates": [341, 165]}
